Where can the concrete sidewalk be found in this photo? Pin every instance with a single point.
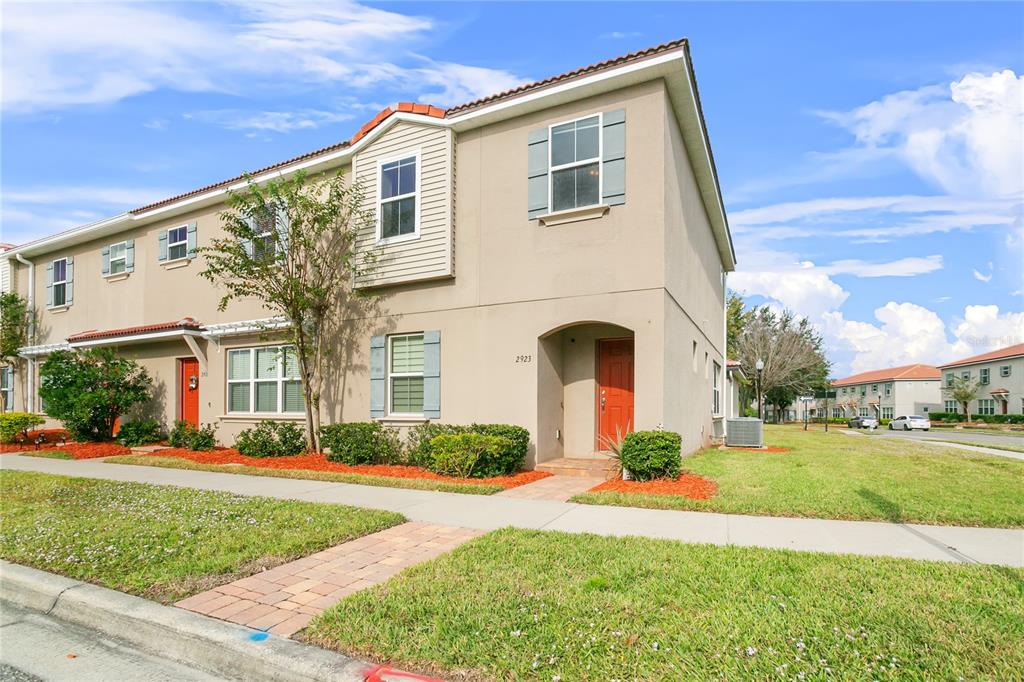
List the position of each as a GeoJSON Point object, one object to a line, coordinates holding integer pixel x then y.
{"type": "Point", "coordinates": [898, 435]}
{"type": "Point", "coordinates": [870, 538]}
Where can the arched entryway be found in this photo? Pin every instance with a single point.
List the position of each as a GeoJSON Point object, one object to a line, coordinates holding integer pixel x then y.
{"type": "Point", "coordinates": [585, 385]}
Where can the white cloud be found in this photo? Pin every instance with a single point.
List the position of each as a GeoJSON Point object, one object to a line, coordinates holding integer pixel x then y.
{"type": "Point", "coordinates": [906, 333]}
{"type": "Point", "coordinates": [620, 35]}
{"type": "Point", "coordinates": [966, 137]}
{"type": "Point", "coordinates": [981, 277]}
{"type": "Point", "coordinates": [270, 121]}
{"type": "Point", "coordinates": [904, 267]}
{"type": "Point", "coordinates": [130, 48]}
{"type": "Point", "coordinates": [984, 328]}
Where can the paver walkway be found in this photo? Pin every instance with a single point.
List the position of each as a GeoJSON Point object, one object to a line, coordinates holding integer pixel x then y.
{"type": "Point", "coordinates": [869, 538]}
{"type": "Point", "coordinates": [557, 488]}
{"type": "Point", "coordinates": [284, 599]}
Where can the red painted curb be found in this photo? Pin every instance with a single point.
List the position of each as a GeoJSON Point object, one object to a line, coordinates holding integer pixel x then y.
{"type": "Point", "coordinates": [384, 673]}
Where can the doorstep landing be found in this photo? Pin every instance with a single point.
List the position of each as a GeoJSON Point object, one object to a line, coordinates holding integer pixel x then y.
{"type": "Point", "coordinates": [558, 488]}
{"type": "Point", "coordinates": [284, 599]}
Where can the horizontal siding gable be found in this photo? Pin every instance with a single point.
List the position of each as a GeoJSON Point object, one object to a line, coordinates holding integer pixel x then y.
{"type": "Point", "coordinates": [431, 255]}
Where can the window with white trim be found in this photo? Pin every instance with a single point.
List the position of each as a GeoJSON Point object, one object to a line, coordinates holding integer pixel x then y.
{"type": "Point", "coordinates": [874, 388]}
{"type": "Point", "coordinates": [264, 244]}
{"type": "Point", "coordinates": [177, 243]}
{"type": "Point", "coordinates": [863, 411]}
{"type": "Point", "coordinates": [863, 390]}
{"type": "Point", "coordinates": [7, 388]}
{"type": "Point", "coordinates": [966, 375]}
{"type": "Point", "coordinates": [118, 257]}
{"type": "Point", "coordinates": [576, 163]}
{"type": "Point", "coordinates": [888, 389]}
{"type": "Point", "coordinates": [716, 406]}
{"type": "Point", "coordinates": [887, 412]}
{"type": "Point", "coordinates": [405, 374]}
{"type": "Point", "coordinates": [951, 406]}
{"type": "Point", "coordinates": [837, 413]}
{"type": "Point", "coordinates": [1004, 370]}
{"type": "Point", "coordinates": [983, 375]}
{"type": "Point", "coordinates": [398, 198]}
{"type": "Point", "coordinates": [264, 380]}
{"type": "Point", "coordinates": [60, 282]}
{"type": "Point", "coordinates": [986, 406]}
{"type": "Point", "coordinates": [950, 377]}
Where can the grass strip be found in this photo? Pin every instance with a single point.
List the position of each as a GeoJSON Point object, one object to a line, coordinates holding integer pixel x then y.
{"type": "Point", "coordinates": [163, 542]}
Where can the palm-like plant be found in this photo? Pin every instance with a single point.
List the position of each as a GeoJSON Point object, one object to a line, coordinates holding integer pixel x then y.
{"type": "Point", "coordinates": [613, 446]}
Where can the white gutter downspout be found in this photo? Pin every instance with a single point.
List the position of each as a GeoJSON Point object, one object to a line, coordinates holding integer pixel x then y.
{"type": "Point", "coordinates": [31, 330]}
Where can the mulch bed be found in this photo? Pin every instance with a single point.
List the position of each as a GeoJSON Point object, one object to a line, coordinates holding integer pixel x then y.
{"type": "Point", "coordinates": [320, 463]}
{"type": "Point", "coordinates": [687, 485]}
{"type": "Point", "coordinates": [76, 450]}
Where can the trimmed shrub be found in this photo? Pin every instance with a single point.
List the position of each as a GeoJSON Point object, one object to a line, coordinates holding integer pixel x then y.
{"type": "Point", "coordinates": [184, 435]}
{"type": "Point", "coordinates": [13, 423]}
{"type": "Point", "coordinates": [519, 442]}
{"type": "Point", "coordinates": [419, 444]}
{"type": "Point", "coordinates": [652, 454]}
{"type": "Point", "coordinates": [272, 438]}
{"type": "Point", "coordinates": [360, 443]}
{"type": "Point", "coordinates": [140, 432]}
{"type": "Point", "coordinates": [469, 455]}
{"type": "Point", "coordinates": [417, 441]}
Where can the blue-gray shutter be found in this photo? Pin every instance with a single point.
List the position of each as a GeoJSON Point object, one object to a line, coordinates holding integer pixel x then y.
{"type": "Point", "coordinates": [191, 245]}
{"type": "Point", "coordinates": [129, 256]}
{"type": "Point", "coordinates": [432, 374]}
{"type": "Point", "coordinates": [70, 287]}
{"type": "Point", "coordinates": [613, 157]}
{"type": "Point", "coordinates": [105, 255]}
{"type": "Point", "coordinates": [378, 376]}
{"type": "Point", "coordinates": [281, 222]}
{"type": "Point", "coordinates": [162, 245]}
{"type": "Point", "coordinates": [537, 173]}
{"type": "Point", "coordinates": [49, 284]}
{"type": "Point", "coordinates": [247, 243]}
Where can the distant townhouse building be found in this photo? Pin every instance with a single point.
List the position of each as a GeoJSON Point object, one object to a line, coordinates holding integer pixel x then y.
{"type": "Point", "coordinates": [1001, 376]}
{"type": "Point", "coordinates": [889, 393]}
{"type": "Point", "coordinates": [554, 256]}
{"type": "Point", "coordinates": [6, 373]}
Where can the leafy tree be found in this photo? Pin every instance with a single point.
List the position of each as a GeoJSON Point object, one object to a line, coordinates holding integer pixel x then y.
{"type": "Point", "coordinates": [15, 321]}
{"type": "Point", "coordinates": [736, 316]}
{"type": "Point", "coordinates": [964, 390]}
{"type": "Point", "coordinates": [89, 390]}
{"type": "Point", "coordinates": [290, 246]}
{"type": "Point", "coordinates": [791, 349]}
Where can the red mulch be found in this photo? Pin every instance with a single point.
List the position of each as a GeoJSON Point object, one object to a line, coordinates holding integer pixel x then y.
{"type": "Point", "coordinates": [319, 462]}
{"type": "Point", "coordinates": [687, 485]}
{"type": "Point", "coordinates": [76, 450]}
{"type": "Point", "coordinates": [768, 449]}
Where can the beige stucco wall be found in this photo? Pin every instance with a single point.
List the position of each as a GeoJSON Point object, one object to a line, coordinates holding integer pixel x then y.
{"type": "Point", "coordinates": [1013, 383]}
{"type": "Point", "coordinates": [650, 266]}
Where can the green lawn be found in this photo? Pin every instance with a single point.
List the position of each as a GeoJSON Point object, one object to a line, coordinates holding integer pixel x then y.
{"type": "Point", "coordinates": [538, 605]}
{"type": "Point", "coordinates": [840, 476]}
{"type": "Point", "coordinates": [161, 542]}
{"type": "Point", "coordinates": [995, 446]}
{"type": "Point", "coordinates": [361, 479]}
{"type": "Point", "coordinates": [48, 454]}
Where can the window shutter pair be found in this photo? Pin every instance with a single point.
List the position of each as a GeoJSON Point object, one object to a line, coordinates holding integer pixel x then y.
{"type": "Point", "coordinates": [431, 375]}
{"type": "Point", "coordinates": [613, 164]}
{"type": "Point", "coordinates": [129, 257]}
{"type": "Point", "coordinates": [69, 288]}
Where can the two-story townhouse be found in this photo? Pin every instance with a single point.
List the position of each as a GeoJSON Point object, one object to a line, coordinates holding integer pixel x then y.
{"type": "Point", "coordinates": [1000, 374]}
{"type": "Point", "coordinates": [553, 256]}
{"type": "Point", "coordinates": [6, 372]}
{"type": "Point", "coordinates": [888, 393]}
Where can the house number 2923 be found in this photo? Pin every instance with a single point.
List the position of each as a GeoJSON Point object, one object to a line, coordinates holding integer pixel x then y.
{"type": "Point", "coordinates": [524, 358]}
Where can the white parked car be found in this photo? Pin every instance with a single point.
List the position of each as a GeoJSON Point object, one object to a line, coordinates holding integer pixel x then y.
{"type": "Point", "coordinates": [909, 423]}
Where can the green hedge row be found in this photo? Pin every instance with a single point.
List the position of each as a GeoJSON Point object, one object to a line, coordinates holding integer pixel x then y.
{"type": "Point", "coordinates": [987, 418]}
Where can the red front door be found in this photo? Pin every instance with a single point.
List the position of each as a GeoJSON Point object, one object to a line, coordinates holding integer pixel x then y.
{"type": "Point", "coordinates": [188, 390]}
{"type": "Point", "coordinates": [614, 389]}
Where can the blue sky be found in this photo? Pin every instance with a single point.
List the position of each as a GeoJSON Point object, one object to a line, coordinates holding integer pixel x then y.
{"type": "Point", "coordinates": [870, 154]}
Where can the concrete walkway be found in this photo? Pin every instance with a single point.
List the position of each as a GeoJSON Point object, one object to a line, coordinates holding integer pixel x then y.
{"type": "Point", "coordinates": [942, 543]}
{"type": "Point", "coordinates": [285, 598]}
{"type": "Point", "coordinates": [932, 441]}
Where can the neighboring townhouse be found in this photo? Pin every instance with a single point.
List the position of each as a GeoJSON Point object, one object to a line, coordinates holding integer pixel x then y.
{"type": "Point", "coordinates": [6, 373]}
{"type": "Point", "coordinates": [1001, 376]}
{"type": "Point", "coordinates": [888, 393]}
{"type": "Point", "coordinates": [554, 256]}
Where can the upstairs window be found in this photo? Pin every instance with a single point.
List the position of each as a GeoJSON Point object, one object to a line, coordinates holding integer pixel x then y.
{"type": "Point", "coordinates": [874, 388]}
{"type": "Point", "coordinates": [60, 282]}
{"type": "Point", "coordinates": [177, 243]}
{"type": "Point", "coordinates": [576, 164]}
{"type": "Point", "coordinates": [263, 244]}
{"type": "Point", "coordinates": [966, 375]}
{"type": "Point", "coordinates": [888, 389]}
{"type": "Point", "coordinates": [398, 192]}
{"type": "Point", "coordinates": [1004, 371]}
{"type": "Point", "coordinates": [983, 375]}
{"type": "Point", "coordinates": [118, 258]}
{"type": "Point", "coordinates": [949, 379]}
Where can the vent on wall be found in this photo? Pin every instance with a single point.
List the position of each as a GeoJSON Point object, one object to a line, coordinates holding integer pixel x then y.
{"type": "Point", "coordinates": [744, 432]}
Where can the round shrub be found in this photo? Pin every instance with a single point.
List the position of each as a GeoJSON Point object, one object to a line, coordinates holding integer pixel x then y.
{"type": "Point", "coordinates": [511, 460]}
{"type": "Point", "coordinates": [469, 455]}
{"type": "Point", "coordinates": [360, 443]}
{"type": "Point", "coordinates": [184, 435]}
{"type": "Point", "coordinates": [271, 438]}
{"type": "Point", "coordinates": [140, 432]}
{"type": "Point", "coordinates": [652, 454]}
{"type": "Point", "coordinates": [13, 423]}
{"type": "Point", "coordinates": [417, 441]}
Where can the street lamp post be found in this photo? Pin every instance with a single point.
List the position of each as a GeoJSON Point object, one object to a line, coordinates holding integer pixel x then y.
{"type": "Point", "coordinates": [759, 366]}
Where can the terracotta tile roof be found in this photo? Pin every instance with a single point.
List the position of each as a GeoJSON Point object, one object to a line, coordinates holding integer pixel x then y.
{"type": "Point", "coordinates": [184, 323]}
{"type": "Point", "coordinates": [733, 363]}
{"type": "Point", "coordinates": [568, 76]}
{"type": "Point", "coordinates": [426, 110]}
{"type": "Point", "coordinates": [998, 354]}
{"type": "Point", "coordinates": [904, 372]}
{"type": "Point", "coordinates": [999, 390]}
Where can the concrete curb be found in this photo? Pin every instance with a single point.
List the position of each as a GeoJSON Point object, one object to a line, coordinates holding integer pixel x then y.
{"type": "Point", "coordinates": [216, 646]}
